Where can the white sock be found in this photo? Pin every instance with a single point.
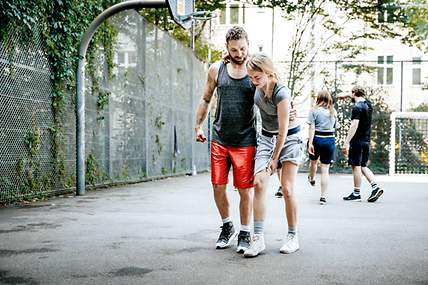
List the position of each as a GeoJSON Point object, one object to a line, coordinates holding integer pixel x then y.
{"type": "Point", "coordinates": [228, 219]}
{"type": "Point", "coordinates": [245, 228]}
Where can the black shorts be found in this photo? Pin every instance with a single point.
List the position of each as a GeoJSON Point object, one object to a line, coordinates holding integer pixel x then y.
{"type": "Point", "coordinates": [324, 148]}
{"type": "Point", "coordinates": [359, 153]}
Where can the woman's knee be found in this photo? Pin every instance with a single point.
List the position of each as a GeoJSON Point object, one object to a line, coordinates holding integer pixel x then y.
{"type": "Point", "coordinates": [260, 181]}
{"type": "Point", "coordinates": [287, 190]}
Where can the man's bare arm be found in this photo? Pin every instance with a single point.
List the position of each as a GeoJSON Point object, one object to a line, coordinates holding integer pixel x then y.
{"type": "Point", "coordinates": [352, 130]}
{"type": "Point", "coordinates": [202, 111]}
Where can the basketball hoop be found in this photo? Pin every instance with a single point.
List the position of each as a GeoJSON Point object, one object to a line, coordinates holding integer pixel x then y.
{"type": "Point", "coordinates": [179, 10]}
{"type": "Point", "coordinates": [199, 16]}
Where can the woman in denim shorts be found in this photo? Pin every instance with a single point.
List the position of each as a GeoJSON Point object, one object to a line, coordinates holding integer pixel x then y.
{"type": "Point", "coordinates": [278, 146]}
{"type": "Point", "coordinates": [322, 122]}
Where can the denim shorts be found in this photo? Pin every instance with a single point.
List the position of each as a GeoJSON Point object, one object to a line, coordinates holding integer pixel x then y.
{"type": "Point", "coordinates": [324, 149]}
{"type": "Point", "coordinates": [292, 151]}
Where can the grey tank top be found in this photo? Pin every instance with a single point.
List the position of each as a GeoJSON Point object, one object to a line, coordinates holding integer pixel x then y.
{"type": "Point", "coordinates": [234, 123]}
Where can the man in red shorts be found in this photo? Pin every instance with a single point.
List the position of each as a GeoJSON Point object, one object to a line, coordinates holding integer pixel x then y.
{"type": "Point", "coordinates": [234, 135]}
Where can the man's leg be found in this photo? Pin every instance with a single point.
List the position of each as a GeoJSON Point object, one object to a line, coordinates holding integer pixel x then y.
{"type": "Point", "coordinates": [368, 174]}
{"type": "Point", "coordinates": [354, 159]}
{"type": "Point", "coordinates": [228, 232]}
{"type": "Point", "coordinates": [376, 190]}
{"type": "Point", "coordinates": [245, 205]}
{"type": "Point", "coordinates": [242, 159]}
{"type": "Point", "coordinates": [221, 200]}
{"type": "Point", "coordinates": [245, 210]}
{"type": "Point", "coordinates": [357, 176]}
{"type": "Point", "coordinates": [313, 164]}
{"type": "Point", "coordinates": [219, 177]}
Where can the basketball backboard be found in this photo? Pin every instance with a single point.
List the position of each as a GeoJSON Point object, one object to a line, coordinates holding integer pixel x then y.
{"type": "Point", "coordinates": [181, 11]}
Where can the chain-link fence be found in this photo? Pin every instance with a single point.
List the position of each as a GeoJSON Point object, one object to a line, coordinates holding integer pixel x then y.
{"type": "Point", "coordinates": [25, 117]}
{"type": "Point", "coordinates": [410, 140]}
{"type": "Point", "coordinates": [145, 131]}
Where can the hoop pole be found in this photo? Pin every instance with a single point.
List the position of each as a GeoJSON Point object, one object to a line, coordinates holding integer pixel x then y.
{"type": "Point", "coordinates": [80, 82]}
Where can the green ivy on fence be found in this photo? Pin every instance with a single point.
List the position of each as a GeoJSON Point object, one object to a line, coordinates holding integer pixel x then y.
{"type": "Point", "coordinates": [61, 24]}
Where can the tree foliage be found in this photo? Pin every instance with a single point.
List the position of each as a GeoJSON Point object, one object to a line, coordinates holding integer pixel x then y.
{"type": "Point", "coordinates": [342, 26]}
{"type": "Point", "coordinates": [161, 18]}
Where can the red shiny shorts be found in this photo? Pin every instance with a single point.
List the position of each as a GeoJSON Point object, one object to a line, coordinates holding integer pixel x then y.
{"type": "Point", "coordinates": [241, 159]}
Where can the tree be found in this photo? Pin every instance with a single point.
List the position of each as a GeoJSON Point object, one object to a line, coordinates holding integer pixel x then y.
{"type": "Point", "coordinates": [160, 17]}
{"type": "Point", "coordinates": [339, 21]}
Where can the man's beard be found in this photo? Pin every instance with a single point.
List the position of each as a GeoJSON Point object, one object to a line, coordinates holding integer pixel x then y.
{"type": "Point", "coordinates": [353, 100]}
{"type": "Point", "coordinates": [237, 61]}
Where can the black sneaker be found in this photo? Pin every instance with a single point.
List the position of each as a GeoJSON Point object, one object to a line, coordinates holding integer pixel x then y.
{"type": "Point", "coordinates": [376, 193]}
{"type": "Point", "coordinates": [312, 182]}
{"type": "Point", "coordinates": [323, 201]}
{"type": "Point", "coordinates": [353, 197]}
{"type": "Point", "coordinates": [244, 239]}
{"type": "Point", "coordinates": [279, 193]}
{"type": "Point", "coordinates": [226, 237]}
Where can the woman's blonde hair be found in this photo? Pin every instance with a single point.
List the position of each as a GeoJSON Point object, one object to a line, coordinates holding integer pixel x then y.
{"type": "Point", "coordinates": [325, 100]}
{"type": "Point", "coordinates": [262, 63]}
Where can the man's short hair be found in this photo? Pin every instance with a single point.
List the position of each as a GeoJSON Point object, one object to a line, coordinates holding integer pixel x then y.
{"type": "Point", "coordinates": [236, 33]}
{"type": "Point", "coordinates": [358, 91]}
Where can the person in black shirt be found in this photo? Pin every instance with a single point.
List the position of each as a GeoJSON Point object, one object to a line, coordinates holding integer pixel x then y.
{"type": "Point", "coordinates": [357, 145]}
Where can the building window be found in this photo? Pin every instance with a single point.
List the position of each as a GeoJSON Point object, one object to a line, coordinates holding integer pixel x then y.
{"type": "Point", "coordinates": [132, 58]}
{"type": "Point", "coordinates": [222, 16]}
{"type": "Point", "coordinates": [121, 58]}
{"type": "Point", "coordinates": [385, 70]}
{"type": "Point", "coordinates": [416, 71]}
{"type": "Point", "coordinates": [234, 14]}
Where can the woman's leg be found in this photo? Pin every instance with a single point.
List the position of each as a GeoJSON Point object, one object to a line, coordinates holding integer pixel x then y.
{"type": "Point", "coordinates": [289, 173]}
{"type": "Point", "coordinates": [324, 179]}
{"type": "Point", "coordinates": [259, 204]}
{"type": "Point", "coordinates": [259, 211]}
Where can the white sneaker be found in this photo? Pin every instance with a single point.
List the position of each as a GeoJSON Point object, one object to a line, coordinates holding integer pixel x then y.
{"type": "Point", "coordinates": [256, 247]}
{"type": "Point", "coordinates": [291, 244]}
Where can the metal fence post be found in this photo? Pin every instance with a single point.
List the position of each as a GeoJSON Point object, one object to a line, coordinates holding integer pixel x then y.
{"type": "Point", "coordinates": [401, 88]}
{"type": "Point", "coordinates": [192, 108]}
{"type": "Point", "coordinates": [335, 78]}
{"type": "Point", "coordinates": [80, 81]}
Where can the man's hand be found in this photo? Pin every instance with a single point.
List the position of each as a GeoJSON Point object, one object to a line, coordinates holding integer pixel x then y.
{"type": "Point", "coordinates": [426, 140]}
{"type": "Point", "coordinates": [345, 149]}
{"type": "Point", "coordinates": [311, 149]}
{"type": "Point", "coordinates": [200, 136]}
